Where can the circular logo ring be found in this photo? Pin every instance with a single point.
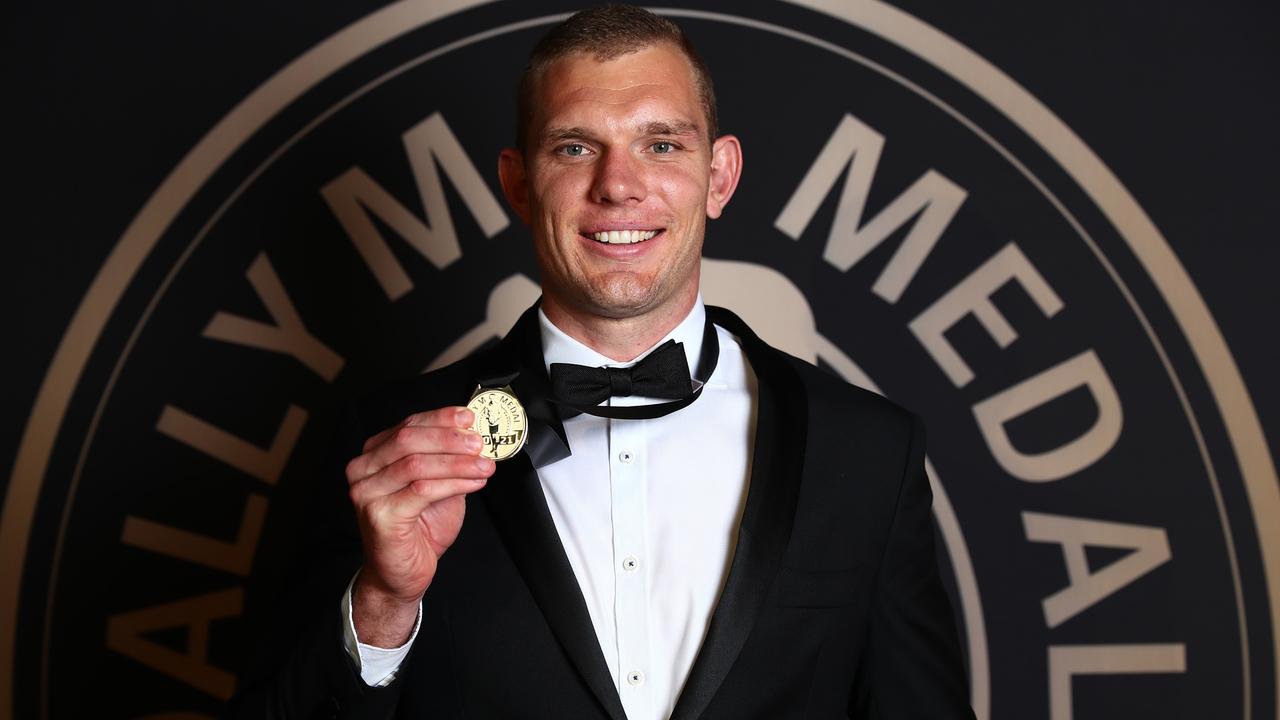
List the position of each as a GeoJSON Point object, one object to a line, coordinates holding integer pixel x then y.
{"type": "Point", "coordinates": [985, 80]}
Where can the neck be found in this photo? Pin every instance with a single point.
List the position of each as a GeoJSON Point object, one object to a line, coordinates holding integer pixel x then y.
{"type": "Point", "coordinates": [620, 339]}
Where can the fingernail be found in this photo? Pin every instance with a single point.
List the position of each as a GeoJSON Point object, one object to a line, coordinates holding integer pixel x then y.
{"type": "Point", "coordinates": [465, 418]}
{"type": "Point", "coordinates": [484, 464]}
{"type": "Point", "coordinates": [474, 442]}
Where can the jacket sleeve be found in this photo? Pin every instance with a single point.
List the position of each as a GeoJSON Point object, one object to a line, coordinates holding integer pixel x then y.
{"type": "Point", "coordinates": [301, 669]}
{"type": "Point", "coordinates": [317, 680]}
{"type": "Point", "coordinates": [913, 667]}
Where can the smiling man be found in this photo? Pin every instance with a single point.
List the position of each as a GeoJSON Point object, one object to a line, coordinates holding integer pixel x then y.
{"type": "Point", "coordinates": [674, 537]}
{"type": "Point", "coordinates": [617, 172]}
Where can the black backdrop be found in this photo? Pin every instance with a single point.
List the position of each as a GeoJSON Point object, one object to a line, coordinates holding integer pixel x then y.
{"type": "Point", "coordinates": [1179, 103]}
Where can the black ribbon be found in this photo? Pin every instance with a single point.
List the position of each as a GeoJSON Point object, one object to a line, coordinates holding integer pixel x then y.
{"type": "Point", "coordinates": [663, 373]}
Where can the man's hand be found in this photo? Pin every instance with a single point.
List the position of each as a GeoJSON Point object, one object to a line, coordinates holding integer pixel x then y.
{"type": "Point", "coordinates": [409, 491]}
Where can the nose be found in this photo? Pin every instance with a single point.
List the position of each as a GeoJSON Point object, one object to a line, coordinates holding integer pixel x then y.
{"type": "Point", "coordinates": [618, 179]}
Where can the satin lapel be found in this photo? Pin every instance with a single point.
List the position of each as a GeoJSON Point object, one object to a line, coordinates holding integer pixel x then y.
{"type": "Point", "coordinates": [777, 461]}
{"type": "Point", "coordinates": [519, 510]}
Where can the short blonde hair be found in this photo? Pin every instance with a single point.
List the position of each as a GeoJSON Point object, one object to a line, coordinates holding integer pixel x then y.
{"type": "Point", "coordinates": [607, 32]}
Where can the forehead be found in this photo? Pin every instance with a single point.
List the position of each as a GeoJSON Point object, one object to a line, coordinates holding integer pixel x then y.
{"type": "Point", "coordinates": [639, 86]}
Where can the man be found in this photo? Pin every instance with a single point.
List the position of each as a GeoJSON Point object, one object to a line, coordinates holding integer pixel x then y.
{"type": "Point", "coordinates": [755, 543]}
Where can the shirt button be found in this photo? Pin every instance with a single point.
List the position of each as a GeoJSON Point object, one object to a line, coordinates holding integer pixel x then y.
{"type": "Point", "coordinates": [630, 564]}
{"type": "Point", "coordinates": [635, 678]}
{"type": "Point", "coordinates": [625, 456]}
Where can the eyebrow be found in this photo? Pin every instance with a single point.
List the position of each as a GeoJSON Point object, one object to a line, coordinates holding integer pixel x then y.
{"type": "Point", "coordinates": [556, 134]}
{"type": "Point", "coordinates": [670, 127]}
{"type": "Point", "coordinates": [677, 128]}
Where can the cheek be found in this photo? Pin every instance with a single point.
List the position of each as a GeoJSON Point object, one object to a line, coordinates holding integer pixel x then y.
{"type": "Point", "coordinates": [559, 186]}
{"type": "Point", "coordinates": [683, 192]}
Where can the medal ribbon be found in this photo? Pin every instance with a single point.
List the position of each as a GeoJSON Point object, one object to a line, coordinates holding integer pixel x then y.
{"type": "Point", "coordinates": [663, 373]}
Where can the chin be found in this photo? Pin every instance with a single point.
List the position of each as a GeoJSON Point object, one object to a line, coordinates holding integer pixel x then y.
{"type": "Point", "coordinates": [622, 297]}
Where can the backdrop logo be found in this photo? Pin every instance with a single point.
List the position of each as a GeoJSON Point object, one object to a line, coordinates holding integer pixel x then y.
{"type": "Point", "coordinates": [926, 229]}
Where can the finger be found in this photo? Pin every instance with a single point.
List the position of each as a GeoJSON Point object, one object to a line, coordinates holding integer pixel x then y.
{"type": "Point", "coordinates": [414, 499]}
{"type": "Point", "coordinates": [411, 439]}
{"type": "Point", "coordinates": [452, 416]}
{"type": "Point", "coordinates": [419, 466]}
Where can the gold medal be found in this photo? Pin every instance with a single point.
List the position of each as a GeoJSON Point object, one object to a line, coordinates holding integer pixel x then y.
{"type": "Point", "coordinates": [500, 421]}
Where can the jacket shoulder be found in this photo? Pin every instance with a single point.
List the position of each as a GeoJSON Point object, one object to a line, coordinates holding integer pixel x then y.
{"type": "Point", "coordinates": [830, 396]}
{"type": "Point", "coordinates": [830, 399]}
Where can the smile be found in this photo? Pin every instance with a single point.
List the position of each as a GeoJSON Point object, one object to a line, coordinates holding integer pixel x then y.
{"type": "Point", "coordinates": [623, 237]}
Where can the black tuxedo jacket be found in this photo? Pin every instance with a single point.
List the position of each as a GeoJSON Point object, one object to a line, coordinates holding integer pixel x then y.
{"type": "Point", "coordinates": [832, 607]}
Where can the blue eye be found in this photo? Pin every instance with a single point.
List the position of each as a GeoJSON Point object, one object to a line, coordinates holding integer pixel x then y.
{"type": "Point", "coordinates": [573, 150]}
{"type": "Point", "coordinates": [663, 147]}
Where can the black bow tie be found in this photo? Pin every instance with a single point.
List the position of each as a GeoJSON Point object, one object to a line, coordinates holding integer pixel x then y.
{"type": "Point", "coordinates": [663, 373]}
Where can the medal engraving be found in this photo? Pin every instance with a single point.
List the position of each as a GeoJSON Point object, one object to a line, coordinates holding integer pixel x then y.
{"type": "Point", "coordinates": [500, 421]}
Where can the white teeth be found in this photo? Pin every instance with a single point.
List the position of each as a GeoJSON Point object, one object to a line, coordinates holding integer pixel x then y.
{"type": "Point", "coordinates": [623, 237]}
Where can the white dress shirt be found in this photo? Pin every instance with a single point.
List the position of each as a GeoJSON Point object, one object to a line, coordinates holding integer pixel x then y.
{"type": "Point", "coordinates": [648, 514]}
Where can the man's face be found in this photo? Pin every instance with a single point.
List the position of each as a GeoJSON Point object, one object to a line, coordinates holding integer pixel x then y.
{"type": "Point", "coordinates": [617, 181]}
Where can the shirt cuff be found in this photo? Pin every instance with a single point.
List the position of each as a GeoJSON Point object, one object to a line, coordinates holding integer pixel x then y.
{"type": "Point", "coordinates": [377, 666]}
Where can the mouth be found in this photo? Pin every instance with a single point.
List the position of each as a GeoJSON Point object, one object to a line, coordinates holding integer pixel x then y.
{"type": "Point", "coordinates": [622, 237]}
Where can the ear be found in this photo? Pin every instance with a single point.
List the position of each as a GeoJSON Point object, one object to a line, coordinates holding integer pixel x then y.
{"type": "Point", "coordinates": [515, 185]}
{"type": "Point", "coordinates": [726, 168]}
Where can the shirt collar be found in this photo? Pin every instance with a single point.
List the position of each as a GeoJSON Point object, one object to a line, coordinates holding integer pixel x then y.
{"type": "Point", "coordinates": [557, 347]}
